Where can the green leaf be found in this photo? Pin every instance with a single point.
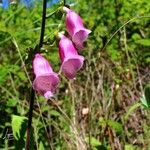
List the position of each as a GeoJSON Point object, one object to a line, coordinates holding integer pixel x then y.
{"type": "Point", "coordinates": [130, 147]}
{"type": "Point", "coordinates": [147, 93]}
{"type": "Point", "coordinates": [144, 102]}
{"type": "Point", "coordinates": [144, 42]}
{"type": "Point", "coordinates": [41, 146]}
{"type": "Point", "coordinates": [18, 126]}
{"type": "Point", "coordinates": [147, 60]}
{"type": "Point", "coordinates": [11, 102]}
{"type": "Point", "coordinates": [94, 141]}
{"type": "Point", "coordinates": [3, 74]}
{"type": "Point", "coordinates": [22, 76]}
{"type": "Point", "coordinates": [146, 97]}
{"type": "Point", "coordinates": [130, 110]}
{"type": "Point", "coordinates": [54, 113]}
{"type": "Point", "coordinates": [115, 125]}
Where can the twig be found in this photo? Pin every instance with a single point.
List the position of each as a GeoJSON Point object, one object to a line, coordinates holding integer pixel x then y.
{"type": "Point", "coordinates": [43, 24]}
{"type": "Point", "coordinates": [36, 50]}
{"type": "Point", "coordinates": [64, 2]}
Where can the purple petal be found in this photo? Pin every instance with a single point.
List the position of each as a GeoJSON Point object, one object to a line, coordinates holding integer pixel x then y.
{"type": "Point", "coordinates": [41, 66]}
{"type": "Point", "coordinates": [80, 37]}
{"type": "Point", "coordinates": [71, 66]}
{"type": "Point", "coordinates": [46, 84]}
{"type": "Point", "coordinates": [48, 95]}
{"type": "Point", "coordinates": [66, 48]}
{"type": "Point", "coordinates": [73, 22]}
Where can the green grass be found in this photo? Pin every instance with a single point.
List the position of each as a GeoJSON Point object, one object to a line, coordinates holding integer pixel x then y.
{"type": "Point", "coordinates": [109, 86]}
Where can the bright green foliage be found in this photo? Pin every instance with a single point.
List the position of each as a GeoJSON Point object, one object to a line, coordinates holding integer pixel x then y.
{"type": "Point", "coordinates": [94, 142]}
{"type": "Point", "coordinates": [41, 147]}
{"type": "Point", "coordinates": [11, 102]}
{"type": "Point", "coordinates": [147, 93]}
{"type": "Point", "coordinates": [18, 126]}
{"type": "Point", "coordinates": [109, 86]}
{"type": "Point", "coordinates": [131, 110]}
{"type": "Point", "coordinates": [144, 42]}
{"type": "Point", "coordinates": [146, 97]}
{"type": "Point", "coordinates": [130, 147]}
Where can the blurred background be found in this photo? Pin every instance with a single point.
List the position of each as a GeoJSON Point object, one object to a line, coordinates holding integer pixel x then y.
{"type": "Point", "coordinates": [101, 108]}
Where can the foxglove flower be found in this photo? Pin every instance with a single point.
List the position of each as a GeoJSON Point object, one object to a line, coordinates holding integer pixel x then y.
{"type": "Point", "coordinates": [71, 61]}
{"type": "Point", "coordinates": [76, 28]}
{"type": "Point", "coordinates": [46, 80]}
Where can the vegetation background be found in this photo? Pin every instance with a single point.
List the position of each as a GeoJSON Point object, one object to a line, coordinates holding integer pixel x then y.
{"type": "Point", "coordinates": [101, 109]}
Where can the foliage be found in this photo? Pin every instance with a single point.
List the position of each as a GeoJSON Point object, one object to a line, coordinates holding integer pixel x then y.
{"type": "Point", "coordinates": [146, 97]}
{"type": "Point", "coordinates": [110, 84]}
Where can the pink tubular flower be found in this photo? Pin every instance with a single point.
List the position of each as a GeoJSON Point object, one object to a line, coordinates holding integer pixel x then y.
{"type": "Point", "coordinates": [71, 61]}
{"type": "Point", "coordinates": [76, 28]}
{"type": "Point", "coordinates": [46, 80]}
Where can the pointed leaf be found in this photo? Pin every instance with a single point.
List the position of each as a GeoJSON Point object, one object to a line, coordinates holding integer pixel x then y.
{"type": "Point", "coordinates": [17, 126]}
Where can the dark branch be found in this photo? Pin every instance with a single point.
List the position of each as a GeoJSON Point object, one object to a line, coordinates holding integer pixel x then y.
{"type": "Point", "coordinates": [43, 24]}
{"type": "Point", "coordinates": [64, 2]}
{"type": "Point", "coordinates": [36, 50]}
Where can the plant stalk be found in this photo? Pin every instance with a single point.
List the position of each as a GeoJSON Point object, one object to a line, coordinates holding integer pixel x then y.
{"type": "Point", "coordinates": [64, 2]}
{"type": "Point", "coordinates": [36, 50]}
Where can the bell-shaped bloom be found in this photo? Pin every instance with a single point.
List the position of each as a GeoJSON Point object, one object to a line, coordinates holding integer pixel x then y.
{"type": "Point", "coordinates": [75, 28]}
{"type": "Point", "coordinates": [46, 81]}
{"type": "Point", "coordinates": [71, 61]}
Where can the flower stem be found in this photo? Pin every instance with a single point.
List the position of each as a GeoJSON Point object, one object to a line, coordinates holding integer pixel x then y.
{"type": "Point", "coordinates": [43, 24]}
{"type": "Point", "coordinates": [36, 50]}
{"type": "Point", "coordinates": [64, 2]}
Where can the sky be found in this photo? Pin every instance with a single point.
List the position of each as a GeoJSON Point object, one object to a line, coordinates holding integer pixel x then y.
{"type": "Point", "coordinates": [27, 3]}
